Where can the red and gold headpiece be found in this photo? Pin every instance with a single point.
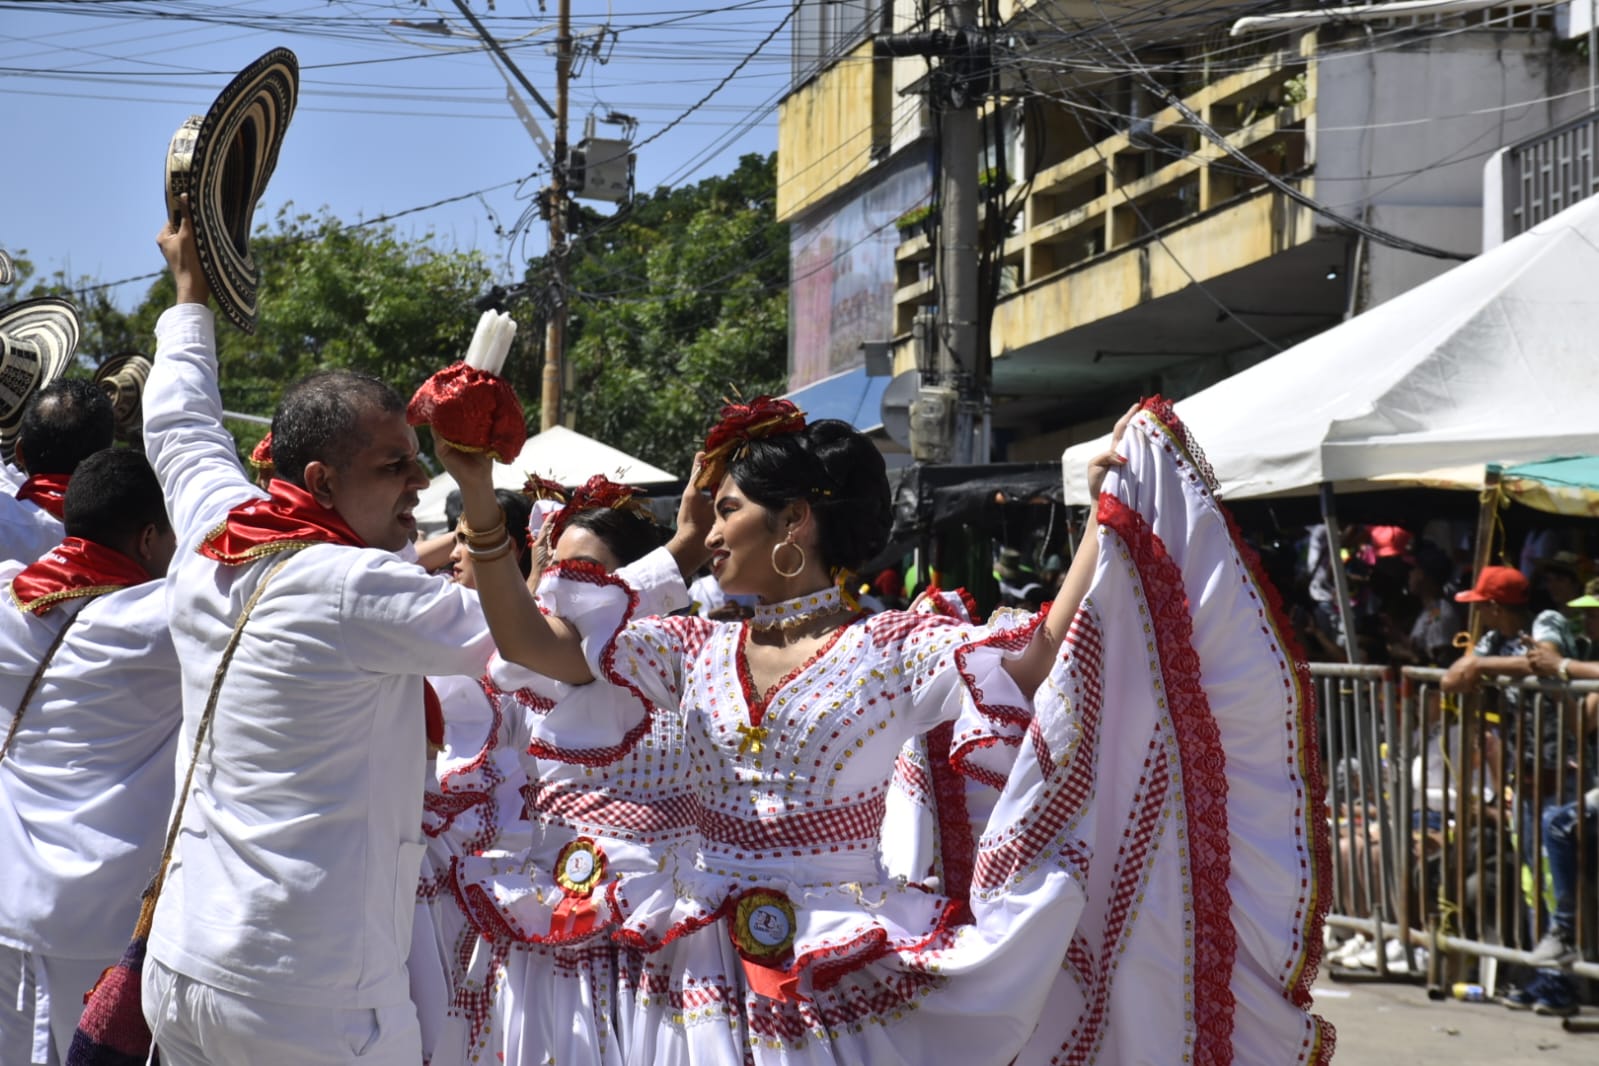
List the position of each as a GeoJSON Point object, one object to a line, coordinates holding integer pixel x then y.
{"type": "Point", "coordinates": [542, 488]}
{"type": "Point", "coordinates": [261, 455]}
{"type": "Point", "coordinates": [741, 423]}
{"type": "Point", "coordinates": [596, 494]}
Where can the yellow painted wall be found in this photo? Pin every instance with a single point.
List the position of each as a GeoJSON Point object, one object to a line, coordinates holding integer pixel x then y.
{"type": "Point", "coordinates": [825, 132]}
{"type": "Point", "coordinates": [1228, 240]}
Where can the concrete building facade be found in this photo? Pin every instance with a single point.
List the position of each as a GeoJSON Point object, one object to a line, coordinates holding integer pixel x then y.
{"type": "Point", "coordinates": [1143, 236]}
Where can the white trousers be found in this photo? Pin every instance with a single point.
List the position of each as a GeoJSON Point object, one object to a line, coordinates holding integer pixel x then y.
{"type": "Point", "coordinates": [197, 1024]}
{"type": "Point", "coordinates": [41, 999]}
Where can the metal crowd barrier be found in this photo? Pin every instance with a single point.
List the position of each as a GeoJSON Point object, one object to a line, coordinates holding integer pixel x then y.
{"type": "Point", "coordinates": [1434, 805]}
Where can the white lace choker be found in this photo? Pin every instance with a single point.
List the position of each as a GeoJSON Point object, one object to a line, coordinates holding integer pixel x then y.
{"type": "Point", "coordinates": [799, 610]}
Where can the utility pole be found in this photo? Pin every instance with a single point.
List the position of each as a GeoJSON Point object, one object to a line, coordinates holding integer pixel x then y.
{"type": "Point", "coordinates": [949, 413]}
{"type": "Point", "coordinates": [550, 401]}
{"type": "Point", "coordinates": [957, 247]}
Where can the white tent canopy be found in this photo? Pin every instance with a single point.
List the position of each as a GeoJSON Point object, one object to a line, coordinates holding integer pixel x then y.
{"type": "Point", "coordinates": [559, 454]}
{"type": "Point", "coordinates": [1491, 362]}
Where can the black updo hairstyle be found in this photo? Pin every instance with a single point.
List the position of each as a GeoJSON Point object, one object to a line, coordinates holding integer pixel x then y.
{"type": "Point", "coordinates": [629, 534]}
{"type": "Point", "coordinates": [834, 468]}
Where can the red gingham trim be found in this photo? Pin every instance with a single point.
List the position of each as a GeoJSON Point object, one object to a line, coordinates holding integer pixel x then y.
{"type": "Point", "coordinates": [574, 803]}
{"type": "Point", "coordinates": [794, 1024]}
{"type": "Point", "coordinates": [451, 800]}
{"type": "Point", "coordinates": [532, 702]}
{"type": "Point", "coordinates": [790, 1024]}
{"type": "Point", "coordinates": [1047, 823]}
{"type": "Point", "coordinates": [490, 743]}
{"type": "Point", "coordinates": [957, 849]}
{"type": "Point", "coordinates": [1094, 973]}
{"type": "Point", "coordinates": [692, 997]}
{"type": "Point", "coordinates": [1316, 867]}
{"type": "Point", "coordinates": [448, 806]}
{"type": "Point", "coordinates": [957, 604]}
{"type": "Point", "coordinates": [960, 759]}
{"type": "Point", "coordinates": [490, 922]}
{"type": "Point", "coordinates": [1164, 412]}
{"type": "Point", "coordinates": [475, 1002]}
{"type": "Point", "coordinates": [632, 938]}
{"type": "Point", "coordinates": [834, 825]}
{"type": "Point", "coordinates": [914, 780]}
{"type": "Point", "coordinates": [889, 628]}
{"type": "Point", "coordinates": [1204, 763]}
{"type": "Point", "coordinates": [1014, 640]}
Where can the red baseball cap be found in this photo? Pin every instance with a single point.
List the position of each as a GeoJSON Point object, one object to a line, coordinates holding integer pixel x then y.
{"type": "Point", "coordinates": [1496, 584]}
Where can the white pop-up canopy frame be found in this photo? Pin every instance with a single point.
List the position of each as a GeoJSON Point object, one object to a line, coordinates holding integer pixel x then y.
{"type": "Point", "coordinates": [1491, 362]}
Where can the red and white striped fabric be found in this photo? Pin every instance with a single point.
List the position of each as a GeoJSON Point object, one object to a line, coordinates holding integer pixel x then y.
{"type": "Point", "coordinates": [1186, 772]}
{"type": "Point", "coordinates": [1148, 887]}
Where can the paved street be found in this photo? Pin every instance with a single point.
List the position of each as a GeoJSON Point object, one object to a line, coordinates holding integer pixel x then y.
{"type": "Point", "coordinates": [1398, 1024]}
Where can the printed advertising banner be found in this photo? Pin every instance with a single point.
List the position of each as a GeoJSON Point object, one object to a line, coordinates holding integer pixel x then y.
{"type": "Point", "coordinates": [841, 270]}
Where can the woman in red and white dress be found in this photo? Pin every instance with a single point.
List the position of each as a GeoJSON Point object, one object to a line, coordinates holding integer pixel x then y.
{"type": "Point", "coordinates": [537, 978]}
{"type": "Point", "coordinates": [1165, 849]}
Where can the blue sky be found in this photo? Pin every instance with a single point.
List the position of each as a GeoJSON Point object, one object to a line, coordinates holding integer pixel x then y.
{"type": "Point", "coordinates": [389, 119]}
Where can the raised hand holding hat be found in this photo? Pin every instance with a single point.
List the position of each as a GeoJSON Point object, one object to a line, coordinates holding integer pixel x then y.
{"type": "Point", "coordinates": [223, 161]}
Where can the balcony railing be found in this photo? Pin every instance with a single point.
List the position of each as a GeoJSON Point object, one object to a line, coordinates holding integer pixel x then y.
{"type": "Point", "coordinates": [1546, 174]}
{"type": "Point", "coordinates": [1152, 176]}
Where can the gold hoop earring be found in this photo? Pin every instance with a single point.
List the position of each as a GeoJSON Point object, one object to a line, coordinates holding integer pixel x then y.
{"type": "Point", "coordinates": [788, 542]}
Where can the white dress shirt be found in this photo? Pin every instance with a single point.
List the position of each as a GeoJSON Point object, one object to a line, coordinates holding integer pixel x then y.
{"type": "Point", "coordinates": [86, 787]}
{"type": "Point", "coordinates": [27, 530]}
{"type": "Point", "coordinates": [296, 870]}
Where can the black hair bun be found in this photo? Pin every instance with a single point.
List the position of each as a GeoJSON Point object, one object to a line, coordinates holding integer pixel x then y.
{"type": "Point", "coordinates": [833, 467]}
{"type": "Point", "coordinates": [852, 499]}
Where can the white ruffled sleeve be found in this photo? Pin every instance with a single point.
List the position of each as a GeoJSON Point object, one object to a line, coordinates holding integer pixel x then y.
{"type": "Point", "coordinates": [638, 658]}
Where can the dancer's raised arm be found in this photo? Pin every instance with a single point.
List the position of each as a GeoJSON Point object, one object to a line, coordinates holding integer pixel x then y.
{"type": "Point", "coordinates": [1030, 669]}
{"type": "Point", "coordinates": [524, 634]}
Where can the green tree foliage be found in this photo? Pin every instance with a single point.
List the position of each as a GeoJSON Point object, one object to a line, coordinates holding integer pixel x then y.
{"type": "Point", "coordinates": [677, 301]}
{"type": "Point", "coordinates": [332, 297]}
{"type": "Point", "coordinates": [342, 297]}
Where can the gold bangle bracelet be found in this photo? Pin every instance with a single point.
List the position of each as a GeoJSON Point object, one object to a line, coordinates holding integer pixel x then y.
{"type": "Point", "coordinates": [482, 536]}
{"type": "Point", "coordinates": [488, 555]}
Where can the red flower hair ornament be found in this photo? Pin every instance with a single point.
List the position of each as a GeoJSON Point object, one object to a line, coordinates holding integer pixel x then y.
{"type": "Point", "coordinates": [542, 488]}
{"type": "Point", "coordinates": [596, 494]}
{"type": "Point", "coordinates": [741, 423]}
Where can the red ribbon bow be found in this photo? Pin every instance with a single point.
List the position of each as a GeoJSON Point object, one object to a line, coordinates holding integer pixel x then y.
{"type": "Point", "coordinates": [595, 494]}
{"type": "Point", "coordinates": [741, 423]}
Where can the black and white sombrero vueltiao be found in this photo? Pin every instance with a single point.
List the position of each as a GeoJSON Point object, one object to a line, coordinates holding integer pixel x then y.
{"type": "Point", "coordinates": [38, 338]}
{"type": "Point", "coordinates": [224, 161]}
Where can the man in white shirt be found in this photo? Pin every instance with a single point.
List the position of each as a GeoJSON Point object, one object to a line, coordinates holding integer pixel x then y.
{"type": "Point", "coordinates": [65, 423]}
{"type": "Point", "coordinates": [86, 781]}
{"type": "Point", "coordinates": [282, 930]}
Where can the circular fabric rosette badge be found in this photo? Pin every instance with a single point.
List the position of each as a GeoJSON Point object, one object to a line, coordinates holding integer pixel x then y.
{"type": "Point", "coordinates": [763, 930]}
{"type": "Point", "coordinates": [579, 870]}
